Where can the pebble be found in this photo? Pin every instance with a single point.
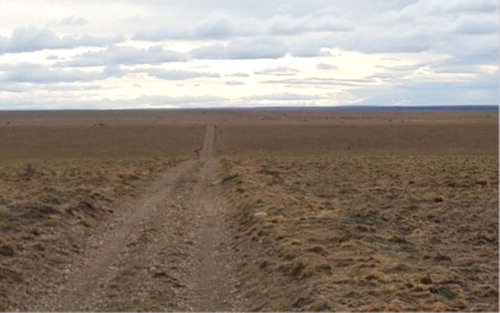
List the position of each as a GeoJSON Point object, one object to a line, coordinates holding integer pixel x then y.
{"type": "Point", "coordinates": [260, 215]}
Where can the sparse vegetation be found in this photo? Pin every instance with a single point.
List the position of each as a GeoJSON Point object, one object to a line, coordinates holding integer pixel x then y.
{"type": "Point", "coordinates": [325, 211]}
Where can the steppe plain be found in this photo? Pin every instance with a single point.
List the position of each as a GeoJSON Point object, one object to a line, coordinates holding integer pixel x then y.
{"type": "Point", "coordinates": [255, 210]}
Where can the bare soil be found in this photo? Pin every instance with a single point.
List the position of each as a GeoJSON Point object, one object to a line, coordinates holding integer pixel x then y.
{"type": "Point", "coordinates": [249, 210]}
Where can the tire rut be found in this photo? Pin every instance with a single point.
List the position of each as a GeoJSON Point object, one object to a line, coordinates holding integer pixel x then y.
{"type": "Point", "coordinates": [170, 253]}
{"type": "Point", "coordinates": [81, 286]}
{"type": "Point", "coordinates": [212, 279]}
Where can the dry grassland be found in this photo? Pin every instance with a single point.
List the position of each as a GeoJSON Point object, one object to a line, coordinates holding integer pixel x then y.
{"type": "Point", "coordinates": [61, 180]}
{"type": "Point", "coordinates": [324, 210]}
{"type": "Point", "coordinates": [368, 215]}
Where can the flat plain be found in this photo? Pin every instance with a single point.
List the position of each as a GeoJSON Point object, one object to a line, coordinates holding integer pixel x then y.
{"type": "Point", "coordinates": [261, 210]}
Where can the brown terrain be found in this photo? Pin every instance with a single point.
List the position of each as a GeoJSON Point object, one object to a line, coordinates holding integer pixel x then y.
{"type": "Point", "coordinates": [253, 210]}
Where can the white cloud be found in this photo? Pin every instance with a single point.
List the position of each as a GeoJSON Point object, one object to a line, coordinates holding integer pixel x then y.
{"type": "Point", "coordinates": [125, 55]}
{"type": "Point", "coordinates": [243, 48]}
{"type": "Point", "coordinates": [326, 67]}
{"type": "Point", "coordinates": [36, 74]}
{"type": "Point", "coordinates": [278, 71]}
{"type": "Point", "coordinates": [322, 81]}
{"type": "Point", "coordinates": [234, 83]}
{"type": "Point", "coordinates": [300, 53]}
{"type": "Point", "coordinates": [73, 21]}
{"type": "Point", "coordinates": [219, 25]}
{"type": "Point", "coordinates": [179, 74]}
{"type": "Point", "coordinates": [32, 38]}
{"type": "Point", "coordinates": [476, 24]}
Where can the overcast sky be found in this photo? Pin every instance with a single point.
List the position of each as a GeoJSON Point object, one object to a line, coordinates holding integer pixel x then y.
{"type": "Point", "coordinates": [220, 53]}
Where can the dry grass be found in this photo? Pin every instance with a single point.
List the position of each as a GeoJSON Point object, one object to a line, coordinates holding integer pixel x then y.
{"type": "Point", "coordinates": [367, 233]}
{"type": "Point", "coordinates": [365, 216]}
{"type": "Point", "coordinates": [329, 210]}
{"type": "Point", "coordinates": [48, 210]}
{"type": "Point", "coordinates": [62, 178]}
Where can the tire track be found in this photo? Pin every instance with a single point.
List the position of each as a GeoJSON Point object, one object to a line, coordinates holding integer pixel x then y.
{"type": "Point", "coordinates": [213, 283]}
{"type": "Point", "coordinates": [171, 252]}
{"type": "Point", "coordinates": [80, 287]}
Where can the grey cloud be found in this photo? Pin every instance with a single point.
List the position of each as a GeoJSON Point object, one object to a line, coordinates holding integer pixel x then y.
{"type": "Point", "coordinates": [393, 27]}
{"type": "Point", "coordinates": [126, 56]}
{"type": "Point", "coordinates": [35, 74]}
{"type": "Point", "coordinates": [215, 25]}
{"type": "Point", "coordinates": [325, 66]}
{"type": "Point", "coordinates": [320, 81]}
{"type": "Point", "coordinates": [48, 76]}
{"type": "Point", "coordinates": [31, 38]}
{"type": "Point", "coordinates": [222, 25]}
{"type": "Point", "coordinates": [481, 91]}
{"type": "Point", "coordinates": [239, 75]}
{"type": "Point", "coordinates": [473, 25]}
{"type": "Point", "coordinates": [282, 97]}
{"type": "Point", "coordinates": [73, 21]}
{"type": "Point", "coordinates": [280, 24]}
{"type": "Point", "coordinates": [455, 6]}
{"type": "Point", "coordinates": [234, 83]}
{"type": "Point", "coordinates": [242, 48]}
{"type": "Point", "coordinates": [278, 71]}
{"type": "Point", "coordinates": [114, 70]}
{"type": "Point", "coordinates": [179, 74]}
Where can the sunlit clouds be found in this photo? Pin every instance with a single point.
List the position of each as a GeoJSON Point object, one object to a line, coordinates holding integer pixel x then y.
{"type": "Point", "coordinates": [185, 54]}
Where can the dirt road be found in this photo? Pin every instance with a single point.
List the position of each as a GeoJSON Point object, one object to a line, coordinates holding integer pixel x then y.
{"type": "Point", "coordinates": [212, 267]}
{"type": "Point", "coordinates": [170, 251]}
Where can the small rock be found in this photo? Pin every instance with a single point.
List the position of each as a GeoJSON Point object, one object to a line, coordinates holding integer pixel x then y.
{"type": "Point", "coordinates": [426, 280]}
{"type": "Point", "coordinates": [482, 182]}
{"type": "Point", "coordinates": [260, 215]}
{"type": "Point", "coordinates": [443, 291]}
{"type": "Point", "coordinates": [438, 199]}
{"type": "Point", "coordinates": [442, 258]}
{"type": "Point", "coordinates": [39, 247]}
{"type": "Point", "coordinates": [7, 250]}
{"type": "Point", "coordinates": [160, 274]}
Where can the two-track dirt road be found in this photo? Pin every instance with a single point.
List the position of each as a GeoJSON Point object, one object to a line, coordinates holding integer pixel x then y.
{"type": "Point", "coordinates": [169, 251]}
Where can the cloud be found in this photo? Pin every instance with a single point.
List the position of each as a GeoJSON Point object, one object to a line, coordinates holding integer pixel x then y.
{"type": "Point", "coordinates": [321, 81]}
{"type": "Point", "coordinates": [125, 55]}
{"type": "Point", "coordinates": [242, 48]}
{"type": "Point", "coordinates": [390, 27]}
{"type": "Point", "coordinates": [239, 75]}
{"type": "Point", "coordinates": [454, 47]}
{"type": "Point", "coordinates": [215, 25]}
{"type": "Point", "coordinates": [31, 38]}
{"type": "Point", "coordinates": [220, 25]}
{"type": "Point", "coordinates": [325, 67]}
{"type": "Point", "coordinates": [234, 83]}
{"type": "Point", "coordinates": [278, 71]}
{"type": "Point", "coordinates": [452, 7]}
{"type": "Point", "coordinates": [179, 74]}
{"type": "Point", "coordinates": [73, 21]}
{"type": "Point", "coordinates": [476, 25]}
{"type": "Point", "coordinates": [283, 25]}
{"type": "Point", "coordinates": [51, 102]}
{"type": "Point", "coordinates": [36, 74]}
{"type": "Point", "coordinates": [286, 96]}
